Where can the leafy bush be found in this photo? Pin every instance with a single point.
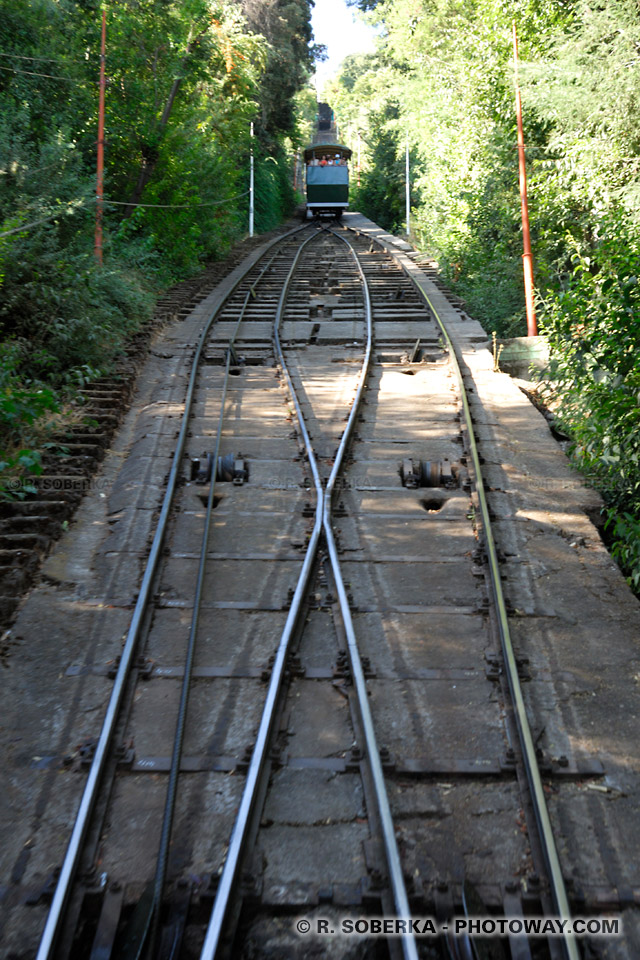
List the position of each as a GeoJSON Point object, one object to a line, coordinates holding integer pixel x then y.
{"type": "Point", "coordinates": [63, 321]}
{"type": "Point", "coordinates": [184, 82]}
{"type": "Point", "coordinates": [624, 528]}
{"type": "Point", "coordinates": [442, 81]}
{"type": "Point", "coordinates": [595, 364]}
{"type": "Point", "coordinates": [22, 404]}
{"type": "Point", "coordinates": [72, 314]}
{"type": "Point", "coordinates": [273, 190]}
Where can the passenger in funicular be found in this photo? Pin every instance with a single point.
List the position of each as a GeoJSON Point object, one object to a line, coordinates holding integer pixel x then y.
{"type": "Point", "coordinates": [328, 161]}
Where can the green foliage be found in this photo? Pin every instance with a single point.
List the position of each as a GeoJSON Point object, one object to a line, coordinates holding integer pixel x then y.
{"type": "Point", "coordinates": [624, 528]}
{"type": "Point", "coordinates": [67, 313]}
{"type": "Point", "coordinates": [286, 25]}
{"type": "Point", "coordinates": [184, 80]}
{"type": "Point", "coordinates": [586, 83]}
{"type": "Point", "coordinates": [382, 191]}
{"type": "Point", "coordinates": [443, 79]}
{"type": "Point", "coordinates": [274, 191]}
{"type": "Point", "coordinates": [593, 331]}
{"type": "Point", "coordinates": [306, 107]}
{"type": "Point", "coordinates": [17, 472]}
{"type": "Point", "coordinates": [22, 403]}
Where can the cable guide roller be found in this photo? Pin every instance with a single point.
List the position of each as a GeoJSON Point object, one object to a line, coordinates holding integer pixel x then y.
{"type": "Point", "coordinates": [232, 468]}
{"type": "Point", "coordinates": [429, 473]}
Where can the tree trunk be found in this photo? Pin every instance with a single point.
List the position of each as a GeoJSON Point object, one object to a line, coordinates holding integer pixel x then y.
{"type": "Point", "coordinates": [150, 160]}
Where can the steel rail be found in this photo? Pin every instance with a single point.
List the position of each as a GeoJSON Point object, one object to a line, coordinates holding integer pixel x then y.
{"type": "Point", "coordinates": [400, 897]}
{"type": "Point", "coordinates": [256, 765]}
{"type": "Point", "coordinates": [322, 521]}
{"type": "Point", "coordinates": [153, 921]}
{"type": "Point", "coordinates": [72, 855]}
{"type": "Point", "coordinates": [174, 772]}
{"type": "Point", "coordinates": [534, 778]}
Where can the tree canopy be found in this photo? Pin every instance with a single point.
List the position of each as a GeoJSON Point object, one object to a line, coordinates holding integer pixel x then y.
{"type": "Point", "coordinates": [442, 80]}
{"type": "Point", "coordinates": [185, 78]}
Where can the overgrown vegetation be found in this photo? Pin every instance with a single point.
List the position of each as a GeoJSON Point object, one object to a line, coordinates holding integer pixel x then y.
{"type": "Point", "coordinates": [593, 325]}
{"type": "Point", "coordinates": [185, 78]}
{"type": "Point", "coordinates": [443, 79]}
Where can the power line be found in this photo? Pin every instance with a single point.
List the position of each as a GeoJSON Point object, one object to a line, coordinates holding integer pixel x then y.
{"type": "Point", "coordinates": [27, 226]}
{"type": "Point", "coordinates": [36, 223]}
{"type": "Point", "coordinates": [23, 168]}
{"type": "Point", "coordinates": [56, 163]}
{"type": "Point", "coordinates": [177, 206]}
{"type": "Point", "coordinates": [77, 204]}
{"type": "Point", "coordinates": [17, 56]}
{"type": "Point", "coordinates": [49, 76]}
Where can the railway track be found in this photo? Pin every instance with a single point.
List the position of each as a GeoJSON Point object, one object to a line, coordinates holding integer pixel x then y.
{"type": "Point", "coordinates": [317, 708]}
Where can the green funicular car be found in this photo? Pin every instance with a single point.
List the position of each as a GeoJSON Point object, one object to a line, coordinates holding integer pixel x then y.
{"type": "Point", "coordinates": [327, 179]}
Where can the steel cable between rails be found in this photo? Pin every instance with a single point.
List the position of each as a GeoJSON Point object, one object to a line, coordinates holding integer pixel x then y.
{"type": "Point", "coordinates": [534, 778]}
{"type": "Point", "coordinates": [400, 897]}
{"type": "Point", "coordinates": [72, 855]}
{"type": "Point", "coordinates": [256, 765]}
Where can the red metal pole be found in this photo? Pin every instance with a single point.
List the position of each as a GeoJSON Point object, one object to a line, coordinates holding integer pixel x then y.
{"type": "Point", "coordinates": [100, 174]}
{"type": "Point", "coordinates": [527, 257]}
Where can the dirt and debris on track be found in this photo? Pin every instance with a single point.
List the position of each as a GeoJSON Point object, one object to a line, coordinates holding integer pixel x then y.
{"type": "Point", "coordinates": [28, 527]}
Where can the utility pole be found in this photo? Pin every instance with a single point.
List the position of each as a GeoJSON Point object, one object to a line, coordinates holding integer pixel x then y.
{"type": "Point", "coordinates": [251, 191]}
{"type": "Point", "coordinates": [527, 257]}
{"type": "Point", "coordinates": [407, 186]}
{"type": "Point", "coordinates": [100, 170]}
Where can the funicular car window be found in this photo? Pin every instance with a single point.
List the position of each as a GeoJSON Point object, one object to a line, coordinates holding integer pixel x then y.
{"type": "Point", "coordinates": [328, 174]}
